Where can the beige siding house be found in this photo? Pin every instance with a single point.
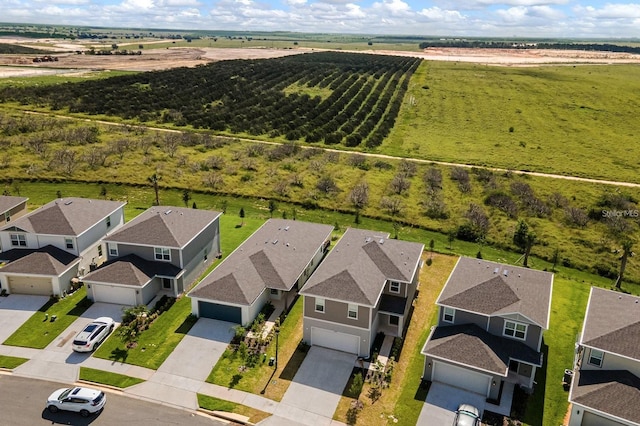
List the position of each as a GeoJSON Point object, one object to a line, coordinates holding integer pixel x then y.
{"type": "Point", "coordinates": [270, 266]}
{"type": "Point", "coordinates": [161, 251]}
{"type": "Point", "coordinates": [605, 389]}
{"type": "Point", "coordinates": [45, 249]}
{"type": "Point", "coordinates": [490, 325]}
{"type": "Point", "coordinates": [11, 208]}
{"type": "Point", "coordinates": [365, 285]}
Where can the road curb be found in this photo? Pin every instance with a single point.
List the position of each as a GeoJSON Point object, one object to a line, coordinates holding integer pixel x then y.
{"type": "Point", "coordinates": [230, 417]}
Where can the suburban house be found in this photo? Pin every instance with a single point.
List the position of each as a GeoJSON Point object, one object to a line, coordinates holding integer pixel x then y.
{"type": "Point", "coordinates": [12, 208]}
{"type": "Point", "coordinates": [47, 248]}
{"type": "Point", "coordinates": [490, 325]}
{"type": "Point", "coordinates": [605, 388]}
{"type": "Point", "coordinates": [366, 285]}
{"type": "Point", "coordinates": [271, 265]}
{"type": "Point", "coordinates": [163, 250]}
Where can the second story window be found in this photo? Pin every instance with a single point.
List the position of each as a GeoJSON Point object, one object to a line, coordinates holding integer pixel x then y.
{"type": "Point", "coordinates": [515, 329]}
{"type": "Point", "coordinates": [353, 311]}
{"type": "Point", "coordinates": [319, 305]}
{"type": "Point", "coordinates": [99, 250]}
{"type": "Point", "coordinates": [595, 357]}
{"type": "Point", "coordinates": [18, 240]}
{"type": "Point", "coordinates": [7, 217]}
{"type": "Point", "coordinates": [113, 249]}
{"type": "Point", "coordinates": [68, 243]}
{"type": "Point", "coordinates": [162, 253]}
{"type": "Point", "coordinates": [449, 314]}
{"type": "Point", "coordinates": [108, 221]}
{"type": "Point", "coordinates": [394, 287]}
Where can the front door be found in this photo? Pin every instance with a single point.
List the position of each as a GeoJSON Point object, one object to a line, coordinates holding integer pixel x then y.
{"type": "Point", "coordinates": [394, 320]}
{"type": "Point", "coordinates": [166, 283]}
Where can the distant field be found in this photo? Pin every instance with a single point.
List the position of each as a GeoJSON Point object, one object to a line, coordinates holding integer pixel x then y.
{"type": "Point", "coordinates": [573, 120]}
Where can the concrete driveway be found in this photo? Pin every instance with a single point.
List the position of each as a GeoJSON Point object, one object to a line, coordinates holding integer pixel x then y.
{"type": "Point", "coordinates": [443, 401]}
{"type": "Point", "coordinates": [15, 309]}
{"type": "Point", "coordinates": [315, 391]}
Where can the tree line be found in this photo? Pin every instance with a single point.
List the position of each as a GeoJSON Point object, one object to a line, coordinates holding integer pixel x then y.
{"type": "Point", "coordinates": [481, 44]}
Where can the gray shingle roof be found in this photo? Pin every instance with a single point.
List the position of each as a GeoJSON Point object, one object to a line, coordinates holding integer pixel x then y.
{"type": "Point", "coordinates": [130, 270]}
{"type": "Point", "coordinates": [47, 260]}
{"type": "Point", "coordinates": [164, 226]}
{"type": "Point", "coordinates": [359, 265]}
{"type": "Point", "coordinates": [65, 216]}
{"type": "Point", "coordinates": [470, 345]}
{"type": "Point", "coordinates": [482, 287]}
{"type": "Point", "coordinates": [275, 256]}
{"type": "Point", "coordinates": [7, 202]}
{"type": "Point", "coordinates": [615, 392]}
{"type": "Point", "coordinates": [612, 323]}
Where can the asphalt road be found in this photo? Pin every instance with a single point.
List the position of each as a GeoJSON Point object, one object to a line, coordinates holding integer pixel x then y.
{"type": "Point", "coordinates": [22, 403]}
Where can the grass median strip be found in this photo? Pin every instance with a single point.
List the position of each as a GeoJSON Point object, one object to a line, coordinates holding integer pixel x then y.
{"type": "Point", "coordinates": [215, 404]}
{"type": "Point", "coordinates": [107, 378]}
{"type": "Point", "coordinates": [41, 329]}
{"type": "Point", "coordinates": [11, 362]}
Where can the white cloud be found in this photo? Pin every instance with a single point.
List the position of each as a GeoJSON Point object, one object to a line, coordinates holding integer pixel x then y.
{"type": "Point", "coordinates": [611, 11]}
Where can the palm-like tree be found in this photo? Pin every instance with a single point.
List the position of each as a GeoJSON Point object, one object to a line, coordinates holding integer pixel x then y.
{"type": "Point", "coordinates": [153, 180]}
{"type": "Point", "coordinates": [627, 247]}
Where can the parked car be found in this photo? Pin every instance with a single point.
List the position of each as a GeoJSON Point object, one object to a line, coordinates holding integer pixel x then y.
{"type": "Point", "coordinates": [85, 401]}
{"type": "Point", "coordinates": [467, 415]}
{"type": "Point", "coordinates": [94, 333]}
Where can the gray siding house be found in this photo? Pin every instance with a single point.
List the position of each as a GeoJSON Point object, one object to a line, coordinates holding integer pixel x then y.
{"type": "Point", "coordinates": [605, 389]}
{"type": "Point", "coordinates": [366, 285]}
{"type": "Point", "coordinates": [490, 325]}
{"type": "Point", "coordinates": [163, 250]}
{"type": "Point", "coordinates": [272, 264]}
{"type": "Point", "coordinates": [45, 249]}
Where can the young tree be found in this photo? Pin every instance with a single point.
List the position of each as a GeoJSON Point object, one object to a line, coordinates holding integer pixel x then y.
{"type": "Point", "coordinates": [153, 180]}
{"type": "Point", "coordinates": [242, 216]}
{"type": "Point", "coordinates": [186, 196]}
{"type": "Point", "coordinates": [524, 239]}
{"type": "Point", "coordinates": [359, 197]}
{"type": "Point", "coordinates": [627, 247]}
{"type": "Point", "coordinates": [272, 207]}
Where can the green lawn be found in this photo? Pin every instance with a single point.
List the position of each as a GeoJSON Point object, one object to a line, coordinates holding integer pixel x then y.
{"type": "Point", "coordinates": [11, 362]}
{"type": "Point", "coordinates": [262, 377]}
{"type": "Point", "coordinates": [215, 404]}
{"type": "Point", "coordinates": [38, 331]}
{"type": "Point", "coordinates": [107, 378]}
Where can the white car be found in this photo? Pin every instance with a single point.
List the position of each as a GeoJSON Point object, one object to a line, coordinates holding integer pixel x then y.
{"type": "Point", "coordinates": [94, 333]}
{"type": "Point", "coordinates": [467, 415]}
{"type": "Point", "coordinates": [85, 401]}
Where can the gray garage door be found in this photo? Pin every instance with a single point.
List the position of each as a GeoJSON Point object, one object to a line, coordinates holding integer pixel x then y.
{"type": "Point", "coordinates": [220, 312]}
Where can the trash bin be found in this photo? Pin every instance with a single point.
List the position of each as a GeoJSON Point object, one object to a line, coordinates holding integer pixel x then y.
{"type": "Point", "coordinates": [568, 375]}
{"type": "Point", "coordinates": [272, 361]}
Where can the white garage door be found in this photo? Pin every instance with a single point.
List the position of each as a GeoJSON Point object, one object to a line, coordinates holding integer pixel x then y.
{"type": "Point", "coordinates": [591, 419]}
{"type": "Point", "coordinates": [113, 294]}
{"type": "Point", "coordinates": [335, 340]}
{"type": "Point", "coordinates": [30, 285]}
{"type": "Point", "coordinates": [461, 378]}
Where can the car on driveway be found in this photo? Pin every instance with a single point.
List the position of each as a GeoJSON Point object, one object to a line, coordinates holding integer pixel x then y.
{"type": "Point", "coordinates": [93, 334]}
{"type": "Point", "coordinates": [467, 415]}
{"type": "Point", "coordinates": [81, 400]}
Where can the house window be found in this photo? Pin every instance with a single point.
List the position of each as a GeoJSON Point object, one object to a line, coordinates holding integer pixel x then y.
{"type": "Point", "coordinates": [595, 357]}
{"type": "Point", "coordinates": [319, 305]}
{"type": "Point", "coordinates": [108, 221]}
{"type": "Point", "coordinates": [7, 217]}
{"type": "Point", "coordinates": [19, 240]}
{"type": "Point", "coordinates": [394, 287]}
{"type": "Point", "coordinates": [166, 283]}
{"type": "Point", "coordinates": [99, 250]}
{"type": "Point", "coordinates": [515, 329]}
{"type": "Point", "coordinates": [274, 291]}
{"type": "Point", "coordinates": [113, 249]}
{"type": "Point", "coordinates": [353, 311]}
{"type": "Point", "coordinates": [162, 253]}
{"type": "Point", "coordinates": [449, 315]}
{"type": "Point", "coordinates": [68, 242]}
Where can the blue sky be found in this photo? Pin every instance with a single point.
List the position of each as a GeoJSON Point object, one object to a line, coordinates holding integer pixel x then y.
{"type": "Point", "coordinates": [471, 18]}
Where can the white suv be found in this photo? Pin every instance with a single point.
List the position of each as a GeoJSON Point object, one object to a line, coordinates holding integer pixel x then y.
{"type": "Point", "coordinates": [94, 333]}
{"type": "Point", "coordinates": [81, 400]}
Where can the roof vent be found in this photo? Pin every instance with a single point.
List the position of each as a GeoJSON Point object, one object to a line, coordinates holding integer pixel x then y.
{"type": "Point", "coordinates": [66, 203]}
{"type": "Point", "coordinates": [367, 240]}
{"type": "Point", "coordinates": [167, 212]}
{"type": "Point", "coordinates": [275, 241]}
{"type": "Point", "coordinates": [495, 271]}
{"type": "Point", "coordinates": [381, 241]}
{"type": "Point", "coordinates": [287, 244]}
{"type": "Point", "coordinates": [505, 273]}
{"type": "Point", "coordinates": [286, 228]}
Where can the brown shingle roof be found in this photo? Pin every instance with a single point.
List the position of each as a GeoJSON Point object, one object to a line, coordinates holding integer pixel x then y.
{"type": "Point", "coordinates": [164, 226]}
{"type": "Point", "coordinates": [47, 260]}
{"type": "Point", "coordinates": [612, 323]}
{"type": "Point", "coordinates": [130, 270]}
{"type": "Point", "coordinates": [66, 216]}
{"type": "Point", "coordinates": [359, 265]}
{"type": "Point", "coordinates": [491, 288]}
{"type": "Point", "coordinates": [615, 392]}
{"type": "Point", "coordinates": [275, 256]}
{"type": "Point", "coordinates": [469, 345]}
{"type": "Point", "coordinates": [7, 202]}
